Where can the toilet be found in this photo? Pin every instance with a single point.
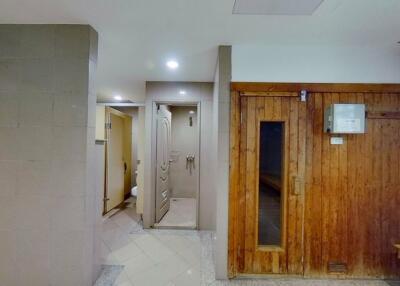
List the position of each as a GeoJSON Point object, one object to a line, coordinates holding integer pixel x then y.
{"type": "Point", "coordinates": [134, 191]}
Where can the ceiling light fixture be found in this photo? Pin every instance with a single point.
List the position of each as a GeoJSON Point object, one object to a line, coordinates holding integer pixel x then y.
{"type": "Point", "coordinates": [172, 64]}
{"type": "Point", "coordinates": [118, 97]}
{"type": "Point", "coordinates": [182, 92]}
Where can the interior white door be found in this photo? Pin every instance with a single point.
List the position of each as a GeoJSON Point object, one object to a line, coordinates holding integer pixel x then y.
{"type": "Point", "coordinates": [116, 170]}
{"type": "Point", "coordinates": [163, 156]}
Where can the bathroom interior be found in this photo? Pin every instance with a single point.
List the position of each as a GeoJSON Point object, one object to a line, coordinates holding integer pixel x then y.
{"type": "Point", "coordinates": [183, 164]}
{"type": "Point", "coordinates": [123, 162]}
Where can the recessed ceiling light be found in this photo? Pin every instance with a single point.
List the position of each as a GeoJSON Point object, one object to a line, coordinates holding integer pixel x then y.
{"type": "Point", "coordinates": [117, 97]}
{"type": "Point", "coordinates": [182, 92]}
{"type": "Point", "coordinates": [172, 64]}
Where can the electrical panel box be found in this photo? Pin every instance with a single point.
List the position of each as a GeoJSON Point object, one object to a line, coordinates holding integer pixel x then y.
{"type": "Point", "coordinates": [345, 119]}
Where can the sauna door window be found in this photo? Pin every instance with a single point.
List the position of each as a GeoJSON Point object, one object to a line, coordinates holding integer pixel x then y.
{"type": "Point", "coordinates": [270, 198]}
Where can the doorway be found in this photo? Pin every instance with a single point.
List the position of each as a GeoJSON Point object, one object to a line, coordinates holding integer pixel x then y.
{"type": "Point", "coordinates": [177, 166]}
{"type": "Point", "coordinates": [118, 179]}
{"type": "Point", "coordinates": [269, 187]}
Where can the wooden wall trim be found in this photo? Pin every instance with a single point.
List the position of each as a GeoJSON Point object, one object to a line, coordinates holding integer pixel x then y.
{"type": "Point", "coordinates": [233, 182]}
{"type": "Point", "coordinates": [269, 93]}
{"type": "Point", "coordinates": [254, 87]}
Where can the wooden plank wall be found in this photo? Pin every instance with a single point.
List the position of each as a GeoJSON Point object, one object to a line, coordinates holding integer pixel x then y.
{"type": "Point", "coordinates": [352, 210]}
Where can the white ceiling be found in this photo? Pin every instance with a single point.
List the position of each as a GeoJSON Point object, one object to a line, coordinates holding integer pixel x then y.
{"type": "Point", "coordinates": [276, 7]}
{"type": "Point", "coordinates": [138, 36]}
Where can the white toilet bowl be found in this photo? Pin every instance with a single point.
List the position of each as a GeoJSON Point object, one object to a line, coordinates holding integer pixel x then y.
{"type": "Point", "coordinates": [134, 191]}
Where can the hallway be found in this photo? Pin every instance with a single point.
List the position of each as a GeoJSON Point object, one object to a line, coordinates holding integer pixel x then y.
{"type": "Point", "coordinates": [175, 257]}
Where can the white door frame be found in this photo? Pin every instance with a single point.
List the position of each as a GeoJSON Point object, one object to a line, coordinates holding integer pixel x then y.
{"type": "Point", "coordinates": [151, 197]}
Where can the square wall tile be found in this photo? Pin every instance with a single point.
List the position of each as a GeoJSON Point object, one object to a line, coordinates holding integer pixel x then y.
{"type": "Point", "coordinates": [68, 179]}
{"type": "Point", "coordinates": [92, 76]}
{"type": "Point", "coordinates": [70, 109]}
{"type": "Point", "coordinates": [8, 249]}
{"type": "Point", "coordinates": [67, 276]}
{"type": "Point", "coordinates": [91, 111]}
{"type": "Point", "coordinates": [94, 43]}
{"type": "Point", "coordinates": [9, 75]}
{"type": "Point", "coordinates": [8, 143]}
{"type": "Point", "coordinates": [32, 213]}
{"type": "Point", "coordinates": [8, 110]}
{"type": "Point", "coordinates": [68, 214]}
{"type": "Point", "coordinates": [34, 178]}
{"type": "Point", "coordinates": [37, 41]}
{"type": "Point", "coordinates": [69, 143]}
{"type": "Point", "coordinates": [34, 143]}
{"type": "Point", "coordinates": [67, 249]}
{"type": "Point", "coordinates": [72, 41]}
{"type": "Point", "coordinates": [33, 258]}
{"type": "Point", "coordinates": [72, 75]}
{"type": "Point", "coordinates": [8, 214]}
{"type": "Point", "coordinates": [8, 178]}
{"type": "Point", "coordinates": [37, 75]}
{"type": "Point", "coordinates": [36, 109]}
{"type": "Point", "coordinates": [10, 39]}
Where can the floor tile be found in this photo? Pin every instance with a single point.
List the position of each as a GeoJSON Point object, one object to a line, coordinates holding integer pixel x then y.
{"type": "Point", "coordinates": [138, 264]}
{"type": "Point", "coordinates": [182, 213]}
{"type": "Point", "coordinates": [190, 277]}
{"type": "Point", "coordinates": [166, 257]}
{"type": "Point", "coordinates": [127, 252]}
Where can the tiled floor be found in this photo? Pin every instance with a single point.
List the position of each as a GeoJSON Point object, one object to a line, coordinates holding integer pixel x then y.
{"type": "Point", "coordinates": [182, 214]}
{"type": "Point", "coordinates": [175, 257]}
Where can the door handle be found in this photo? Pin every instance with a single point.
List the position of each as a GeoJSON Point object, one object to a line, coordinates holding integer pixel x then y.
{"type": "Point", "coordinates": [125, 167]}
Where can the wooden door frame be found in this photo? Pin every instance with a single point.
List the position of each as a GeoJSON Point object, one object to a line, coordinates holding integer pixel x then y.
{"type": "Point", "coordinates": [108, 111]}
{"type": "Point", "coordinates": [243, 89]}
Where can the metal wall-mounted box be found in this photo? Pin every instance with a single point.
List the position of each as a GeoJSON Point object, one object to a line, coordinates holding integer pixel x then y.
{"type": "Point", "coordinates": [345, 119]}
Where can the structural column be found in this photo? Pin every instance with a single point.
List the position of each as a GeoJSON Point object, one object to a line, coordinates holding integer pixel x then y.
{"type": "Point", "coordinates": [48, 209]}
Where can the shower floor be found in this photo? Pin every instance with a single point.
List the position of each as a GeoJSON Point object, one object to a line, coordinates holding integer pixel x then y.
{"type": "Point", "coordinates": [181, 214]}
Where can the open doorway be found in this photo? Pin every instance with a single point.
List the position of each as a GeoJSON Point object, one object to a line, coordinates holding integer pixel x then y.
{"type": "Point", "coordinates": [119, 135]}
{"type": "Point", "coordinates": [118, 179]}
{"type": "Point", "coordinates": [177, 166]}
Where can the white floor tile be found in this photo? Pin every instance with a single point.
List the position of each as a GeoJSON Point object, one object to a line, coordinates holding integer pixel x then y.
{"type": "Point", "coordinates": [127, 252]}
{"type": "Point", "coordinates": [137, 265]}
{"type": "Point", "coordinates": [190, 277]}
{"type": "Point", "coordinates": [165, 257]}
{"type": "Point", "coordinates": [182, 213]}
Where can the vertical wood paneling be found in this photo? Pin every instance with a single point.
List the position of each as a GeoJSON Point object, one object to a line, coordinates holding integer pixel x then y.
{"type": "Point", "coordinates": [356, 189]}
{"type": "Point", "coordinates": [350, 209]}
{"type": "Point", "coordinates": [241, 200]}
{"type": "Point", "coordinates": [250, 215]}
{"type": "Point", "coordinates": [234, 181]}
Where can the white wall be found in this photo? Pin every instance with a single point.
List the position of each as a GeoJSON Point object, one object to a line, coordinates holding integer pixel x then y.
{"type": "Point", "coordinates": [168, 92]}
{"type": "Point", "coordinates": [184, 142]}
{"type": "Point", "coordinates": [341, 64]}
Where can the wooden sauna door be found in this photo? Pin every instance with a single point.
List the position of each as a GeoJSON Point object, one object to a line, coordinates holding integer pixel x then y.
{"type": "Point", "coordinates": [274, 244]}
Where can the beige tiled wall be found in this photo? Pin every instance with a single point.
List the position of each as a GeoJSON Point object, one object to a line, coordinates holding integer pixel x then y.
{"type": "Point", "coordinates": [47, 197]}
{"type": "Point", "coordinates": [184, 142]}
{"type": "Point", "coordinates": [221, 157]}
